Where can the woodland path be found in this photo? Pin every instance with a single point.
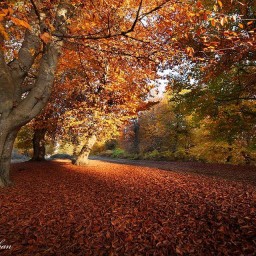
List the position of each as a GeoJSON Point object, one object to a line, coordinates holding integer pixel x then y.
{"type": "Point", "coordinates": [56, 208]}
{"type": "Point", "coordinates": [243, 173]}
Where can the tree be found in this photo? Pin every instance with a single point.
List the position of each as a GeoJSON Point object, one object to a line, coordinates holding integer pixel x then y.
{"type": "Point", "coordinates": [23, 142]}
{"type": "Point", "coordinates": [99, 122]}
{"type": "Point", "coordinates": [103, 28]}
{"type": "Point", "coordinates": [223, 110]}
{"type": "Point", "coordinates": [19, 104]}
{"type": "Point", "coordinates": [161, 128]}
{"type": "Point", "coordinates": [124, 31]}
{"type": "Point", "coordinates": [90, 106]}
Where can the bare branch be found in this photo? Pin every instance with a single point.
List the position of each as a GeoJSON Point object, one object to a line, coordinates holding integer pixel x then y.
{"type": "Point", "coordinates": [136, 39]}
{"type": "Point", "coordinates": [154, 9]}
{"type": "Point", "coordinates": [36, 10]}
{"type": "Point", "coordinates": [136, 19]}
{"type": "Point", "coordinates": [122, 33]}
{"type": "Point", "coordinates": [117, 52]}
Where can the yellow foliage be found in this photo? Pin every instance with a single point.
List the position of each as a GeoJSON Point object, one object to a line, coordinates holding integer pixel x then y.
{"type": "Point", "coordinates": [21, 23]}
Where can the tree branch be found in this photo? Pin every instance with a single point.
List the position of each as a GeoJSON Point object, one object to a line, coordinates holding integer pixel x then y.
{"type": "Point", "coordinates": [36, 10]}
{"type": "Point", "coordinates": [27, 54]}
{"type": "Point", "coordinates": [6, 85]}
{"type": "Point", "coordinates": [136, 19]}
{"type": "Point", "coordinates": [153, 10]}
{"type": "Point", "coordinates": [122, 33]}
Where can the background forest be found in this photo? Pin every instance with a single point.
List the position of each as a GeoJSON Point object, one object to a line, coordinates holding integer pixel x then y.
{"type": "Point", "coordinates": [191, 121]}
{"type": "Point", "coordinates": [212, 122]}
{"type": "Point", "coordinates": [106, 72]}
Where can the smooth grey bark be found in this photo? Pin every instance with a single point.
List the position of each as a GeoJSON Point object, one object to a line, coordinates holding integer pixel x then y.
{"type": "Point", "coordinates": [82, 158]}
{"type": "Point", "coordinates": [15, 109]}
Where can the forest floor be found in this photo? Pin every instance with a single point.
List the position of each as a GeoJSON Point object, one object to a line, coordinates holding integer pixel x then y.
{"type": "Point", "coordinates": [55, 208]}
{"type": "Point", "coordinates": [244, 173]}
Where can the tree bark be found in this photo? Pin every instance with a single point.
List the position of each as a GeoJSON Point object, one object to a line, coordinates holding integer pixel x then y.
{"type": "Point", "coordinates": [39, 145]}
{"type": "Point", "coordinates": [136, 129]}
{"type": "Point", "coordinates": [17, 109]}
{"type": "Point", "coordinates": [82, 158]}
{"type": "Point", "coordinates": [229, 157]}
{"type": "Point", "coordinates": [6, 144]}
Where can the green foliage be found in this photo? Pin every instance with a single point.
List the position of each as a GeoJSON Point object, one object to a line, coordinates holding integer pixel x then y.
{"type": "Point", "coordinates": [210, 121]}
{"type": "Point", "coordinates": [118, 153]}
{"type": "Point", "coordinates": [152, 155]}
{"type": "Point", "coordinates": [179, 155]}
{"type": "Point", "coordinates": [65, 148]}
{"type": "Point", "coordinates": [50, 148]}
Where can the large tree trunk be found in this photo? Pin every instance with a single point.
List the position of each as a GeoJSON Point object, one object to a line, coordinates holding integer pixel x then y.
{"type": "Point", "coordinates": [17, 108]}
{"type": "Point", "coordinates": [82, 158]}
{"type": "Point", "coordinates": [6, 145]}
{"type": "Point", "coordinates": [39, 145]}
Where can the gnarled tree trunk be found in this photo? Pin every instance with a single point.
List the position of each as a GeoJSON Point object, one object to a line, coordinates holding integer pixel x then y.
{"type": "Point", "coordinates": [17, 108]}
{"type": "Point", "coordinates": [39, 145]}
{"type": "Point", "coordinates": [82, 158]}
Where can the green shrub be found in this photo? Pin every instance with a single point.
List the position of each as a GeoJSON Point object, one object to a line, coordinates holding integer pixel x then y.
{"type": "Point", "coordinates": [152, 155]}
{"type": "Point", "coordinates": [179, 155]}
{"type": "Point", "coordinates": [118, 153]}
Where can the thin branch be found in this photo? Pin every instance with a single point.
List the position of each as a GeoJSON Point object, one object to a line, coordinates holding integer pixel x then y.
{"type": "Point", "coordinates": [136, 39]}
{"type": "Point", "coordinates": [122, 33]}
{"type": "Point", "coordinates": [36, 10]}
{"type": "Point", "coordinates": [153, 10]}
{"type": "Point", "coordinates": [136, 19]}
{"type": "Point", "coordinates": [116, 52]}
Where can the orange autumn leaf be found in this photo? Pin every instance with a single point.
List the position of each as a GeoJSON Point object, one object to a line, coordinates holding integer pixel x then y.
{"type": "Point", "coordinates": [240, 25]}
{"type": "Point", "coordinates": [220, 3]}
{"type": "Point", "coordinates": [3, 32]}
{"type": "Point", "coordinates": [21, 23]}
{"type": "Point", "coordinates": [46, 37]}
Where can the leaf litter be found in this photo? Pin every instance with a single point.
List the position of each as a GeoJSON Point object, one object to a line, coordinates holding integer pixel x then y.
{"type": "Point", "coordinates": [56, 208]}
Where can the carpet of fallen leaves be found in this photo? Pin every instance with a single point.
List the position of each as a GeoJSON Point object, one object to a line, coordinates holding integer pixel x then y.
{"type": "Point", "coordinates": [55, 208]}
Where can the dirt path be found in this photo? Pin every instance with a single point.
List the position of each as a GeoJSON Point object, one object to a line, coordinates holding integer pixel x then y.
{"type": "Point", "coordinates": [242, 173]}
{"type": "Point", "coordinates": [57, 209]}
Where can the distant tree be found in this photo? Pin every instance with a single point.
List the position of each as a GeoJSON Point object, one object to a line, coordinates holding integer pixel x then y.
{"type": "Point", "coordinates": [161, 128]}
{"type": "Point", "coordinates": [225, 105]}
